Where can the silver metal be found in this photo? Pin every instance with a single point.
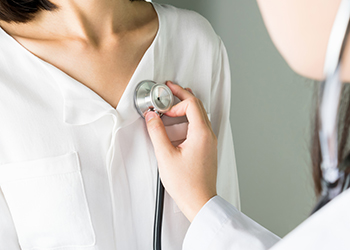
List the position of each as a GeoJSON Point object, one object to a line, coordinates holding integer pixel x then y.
{"type": "Point", "coordinates": [328, 132]}
{"type": "Point", "coordinates": [152, 96]}
{"type": "Point", "coordinates": [330, 97]}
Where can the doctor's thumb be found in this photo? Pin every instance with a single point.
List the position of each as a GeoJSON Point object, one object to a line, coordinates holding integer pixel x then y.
{"type": "Point", "coordinates": [157, 133]}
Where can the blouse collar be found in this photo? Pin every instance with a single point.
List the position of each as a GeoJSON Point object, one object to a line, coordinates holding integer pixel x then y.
{"type": "Point", "coordinates": [81, 104]}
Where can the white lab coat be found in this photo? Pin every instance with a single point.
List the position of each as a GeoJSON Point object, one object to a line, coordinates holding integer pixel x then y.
{"type": "Point", "coordinates": [75, 173]}
{"type": "Point", "coordinates": [220, 226]}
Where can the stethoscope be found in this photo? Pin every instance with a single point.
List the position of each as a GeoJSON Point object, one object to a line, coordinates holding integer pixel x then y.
{"type": "Point", "coordinates": [334, 178]}
{"type": "Point", "coordinates": [156, 97]}
{"type": "Point", "coordinates": [152, 96]}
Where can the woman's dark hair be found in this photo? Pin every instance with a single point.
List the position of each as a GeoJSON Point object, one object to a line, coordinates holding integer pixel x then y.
{"type": "Point", "coordinates": [343, 136]}
{"type": "Point", "coordinates": [22, 11]}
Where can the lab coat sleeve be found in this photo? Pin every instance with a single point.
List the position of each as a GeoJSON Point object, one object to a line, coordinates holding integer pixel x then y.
{"type": "Point", "coordinates": [220, 226]}
{"type": "Point", "coordinates": [8, 235]}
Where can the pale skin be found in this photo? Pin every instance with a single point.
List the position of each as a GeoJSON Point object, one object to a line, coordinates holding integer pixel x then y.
{"type": "Point", "coordinates": [300, 30]}
{"type": "Point", "coordinates": [189, 170]}
{"type": "Point", "coordinates": [103, 53]}
{"type": "Point", "coordinates": [97, 42]}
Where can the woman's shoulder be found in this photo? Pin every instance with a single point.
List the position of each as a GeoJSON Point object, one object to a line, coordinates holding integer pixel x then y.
{"type": "Point", "coordinates": [185, 24]}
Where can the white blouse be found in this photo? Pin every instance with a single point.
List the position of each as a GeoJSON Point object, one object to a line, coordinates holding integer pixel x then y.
{"type": "Point", "coordinates": [75, 173]}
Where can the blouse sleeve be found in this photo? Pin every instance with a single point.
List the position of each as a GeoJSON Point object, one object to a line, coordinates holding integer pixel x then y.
{"type": "Point", "coordinates": [220, 102]}
{"type": "Point", "coordinates": [220, 226]}
{"type": "Point", "coordinates": [8, 235]}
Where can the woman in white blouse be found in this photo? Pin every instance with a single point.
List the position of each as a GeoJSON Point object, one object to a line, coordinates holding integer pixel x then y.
{"type": "Point", "coordinates": [77, 167]}
{"type": "Point", "coordinates": [300, 30]}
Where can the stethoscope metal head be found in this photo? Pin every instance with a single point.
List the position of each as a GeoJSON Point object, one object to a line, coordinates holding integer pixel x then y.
{"type": "Point", "coordinates": [152, 96]}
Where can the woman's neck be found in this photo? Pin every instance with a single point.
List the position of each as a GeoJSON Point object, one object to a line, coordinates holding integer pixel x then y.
{"type": "Point", "coordinates": [93, 21]}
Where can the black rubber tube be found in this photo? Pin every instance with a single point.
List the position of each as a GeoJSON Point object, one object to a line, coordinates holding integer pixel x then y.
{"type": "Point", "coordinates": [158, 216]}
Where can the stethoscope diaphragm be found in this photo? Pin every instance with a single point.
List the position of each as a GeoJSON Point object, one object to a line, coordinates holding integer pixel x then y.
{"type": "Point", "coordinates": [152, 96]}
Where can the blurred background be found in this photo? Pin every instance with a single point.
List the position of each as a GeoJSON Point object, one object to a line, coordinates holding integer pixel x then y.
{"type": "Point", "coordinates": [271, 112]}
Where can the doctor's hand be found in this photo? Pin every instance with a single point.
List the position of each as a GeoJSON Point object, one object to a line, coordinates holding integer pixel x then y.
{"type": "Point", "coordinates": [188, 171]}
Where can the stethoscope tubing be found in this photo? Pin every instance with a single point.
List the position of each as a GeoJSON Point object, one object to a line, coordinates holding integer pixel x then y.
{"type": "Point", "coordinates": [144, 100]}
{"type": "Point", "coordinates": [158, 216]}
{"type": "Point", "coordinates": [335, 178]}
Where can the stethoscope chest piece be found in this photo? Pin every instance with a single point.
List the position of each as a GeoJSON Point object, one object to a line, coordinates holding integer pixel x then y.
{"type": "Point", "coordinates": [152, 96]}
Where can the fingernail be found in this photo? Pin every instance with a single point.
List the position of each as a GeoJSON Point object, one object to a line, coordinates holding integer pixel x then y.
{"type": "Point", "coordinates": [150, 116]}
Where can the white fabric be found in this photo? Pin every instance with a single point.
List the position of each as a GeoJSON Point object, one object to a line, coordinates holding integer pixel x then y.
{"type": "Point", "coordinates": [220, 226]}
{"type": "Point", "coordinates": [75, 173]}
{"type": "Point", "coordinates": [329, 228]}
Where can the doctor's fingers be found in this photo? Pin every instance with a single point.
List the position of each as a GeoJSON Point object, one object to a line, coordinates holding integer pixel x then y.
{"type": "Point", "coordinates": [158, 135]}
{"type": "Point", "coordinates": [193, 109]}
{"type": "Point", "coordinates": [184, 94]}
{"type": "Point", "coordinates": [188, 103]}
{"type": "Point", "coordinates": [189, 90]}
{"type": "Point", "coordinates": [179, 91]}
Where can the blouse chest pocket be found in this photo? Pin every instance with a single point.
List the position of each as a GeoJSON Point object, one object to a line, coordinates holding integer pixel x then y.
{"type": "Point", "coordinates": [47, 202]}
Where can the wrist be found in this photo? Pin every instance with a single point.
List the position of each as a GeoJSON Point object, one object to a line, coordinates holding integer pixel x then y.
{"type": "Point", "coordinates": [191, 208]}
